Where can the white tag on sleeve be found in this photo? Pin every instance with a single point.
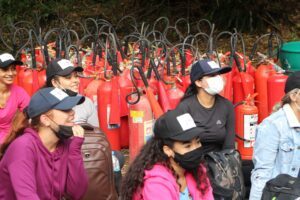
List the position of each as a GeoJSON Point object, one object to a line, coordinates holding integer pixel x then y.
{"type": "Point", "coordinates": [186, 121]}
{"type": "Point", "coordinates": [64, 64]}
{"type": "Point", "coordinates": [6, 56]}
{"type": "Point", "coordinates": [59, 94]}
{"type": "Point", "coordinates": [213, 65]}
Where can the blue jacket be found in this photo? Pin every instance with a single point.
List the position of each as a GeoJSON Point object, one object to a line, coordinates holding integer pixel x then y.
{"type": "Point", "coordinates": [276, 149]}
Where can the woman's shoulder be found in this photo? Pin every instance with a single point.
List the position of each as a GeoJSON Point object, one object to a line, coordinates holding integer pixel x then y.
{"type": "Point", "coordinates": [22, 146]}
{"type": "Point", "coordinates": [159, 171]}
{"type": "Point", "coordinates": [26, 139]}
{"type": "Point", "coordinates": [186, 102]}
{"type": "Point", "coordinates": [223, 101]}
{"type": "Point", "coordinates": [88, 103]}
{"type": "Point", "coordinates": [275, 118]}
{"type": "Point", "coordinates": [19, 93]}
{"type": "Point", "coordinates": [18, 89]}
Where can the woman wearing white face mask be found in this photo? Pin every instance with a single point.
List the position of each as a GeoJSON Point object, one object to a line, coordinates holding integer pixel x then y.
{"type": "Point", "coordinates": [207, 107]}
{"type": "Point", "coordinates": [277, 140]}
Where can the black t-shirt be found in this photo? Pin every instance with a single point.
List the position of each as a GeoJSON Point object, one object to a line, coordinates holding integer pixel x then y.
{"type": "Point", "coordinates": [218, 122]}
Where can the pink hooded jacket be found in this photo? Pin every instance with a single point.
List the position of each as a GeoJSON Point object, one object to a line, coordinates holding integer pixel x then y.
{"type": "Point", "coordinates": [160, 183]}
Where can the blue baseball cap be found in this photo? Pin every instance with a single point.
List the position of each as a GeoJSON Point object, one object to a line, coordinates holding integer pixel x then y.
{"type": "Point", "coordinates": [51, 98]}
{"type": "Point", "coordinates": [206, 67]}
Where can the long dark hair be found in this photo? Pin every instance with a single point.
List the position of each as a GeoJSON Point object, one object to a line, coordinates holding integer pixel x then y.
{"type": "Point", "coordinates": [151, 154]}
{"type": "Point", "coordinates": [19, 123]}
{"type": "Point", "coordinates": [190, 91]}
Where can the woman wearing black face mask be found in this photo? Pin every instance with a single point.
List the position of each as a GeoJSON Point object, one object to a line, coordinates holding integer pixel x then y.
{"type": "Point", "coordinates": [41, 158]}
{"type": "Point", "coordinates": [169, 165]}
{"type": "Point", "coordinates": [62, 74]}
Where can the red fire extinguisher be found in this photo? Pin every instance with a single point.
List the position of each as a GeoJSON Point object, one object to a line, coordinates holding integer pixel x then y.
{"type": "Point", "coordinates": [31, 78]}
{"type": "Point", "coordinates": [157, 110]}
{"type": "Point", "coordinates": [174, 94]}
{"type": "Point", "coordinates": [263, 72]}
{"type": "Point", "coordinates": [126, 88]}
{"type": "Point", "coordinates": [246, 122]}
{"type": "Point", "coordinates": [266, 68]}
{"type": "Point", "coordinates": [140, 125]}
{"type": "Point", "coordinates": [112, 131]}
{"type": "Point", "coordinates": [226, 60]}
{"type": "Point", "coordinates": [243, 84]}
{"type": "Point", "coordinates": [140, 119]}
{"type": "Point", "coordinates": [162, 94]}
{"type": "Point", "coordinates": [91, 89]}
{"type": "Point", "coordinates": [275, 88]}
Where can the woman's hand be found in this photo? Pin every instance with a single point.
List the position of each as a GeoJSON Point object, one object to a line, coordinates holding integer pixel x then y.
{"type": "Point", "coordinates": [78, 131]}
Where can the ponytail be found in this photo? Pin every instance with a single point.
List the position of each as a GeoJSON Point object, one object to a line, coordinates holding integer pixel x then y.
{"type": "Point", "coordinates": [20, 122]}
{"type": "Point", "coordinates": [190, 91]}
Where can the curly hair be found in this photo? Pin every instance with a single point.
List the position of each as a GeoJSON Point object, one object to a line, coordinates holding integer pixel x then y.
{"type": "Point", "coordinates": [151, 154]}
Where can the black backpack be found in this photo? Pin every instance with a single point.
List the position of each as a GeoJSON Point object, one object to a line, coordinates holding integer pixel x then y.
{"type": "Point", "coordinates": [224, 170]}
{"type": "Point", "coordinates": [283, 187]}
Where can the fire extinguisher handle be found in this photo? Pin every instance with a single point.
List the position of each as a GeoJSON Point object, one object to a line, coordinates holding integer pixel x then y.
{"type": "Point", "coordinates": [238, 63]}
{"type": "Point", "coordinates": [234, 40]}
{"type": "Point", "coordinates": [255, 45]}
{"type": "Point", "coordinates": [183, 61]}
{"type": "Point", "coordinates": [238, 104]}
{"type": "Point", "coordinates": [241, 138]}
{"type": "Point", "coordinates": [154, 67]}
{"type": "Point", "coordinates": [45, 52]}
{"type": "Point", "coordinates": [137, 92]}
{"type": "Point", "coordinates": [33, 59]}
{"type": "Point", "coordinates": [142, 76]}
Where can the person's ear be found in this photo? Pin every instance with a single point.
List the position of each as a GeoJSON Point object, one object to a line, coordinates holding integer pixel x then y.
{"type": "Point", "coordinates": [55, 83]}
{"type": "Point", "coordinates": [199, 83]}
{"type": "Point", "coordinates": [44, 119]}
{"type": "Point", "coordinates": [168, 151]}
{"type": "Point", "coordinates": [293, 96]}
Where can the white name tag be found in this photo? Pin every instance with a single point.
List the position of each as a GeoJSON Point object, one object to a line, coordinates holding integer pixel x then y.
{"type": "Point", "coordinates": [213, 65]}
{"type": "Point", "coordinates": [6, 56]}
{"type": "Point", "coordinates": [64, 64]}
{"type": "Point", "coordinates": [186, 121]}
{"type": "Point", "coordinates": [59, 94]}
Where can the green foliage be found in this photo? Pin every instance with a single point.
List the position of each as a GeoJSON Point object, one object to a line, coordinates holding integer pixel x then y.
{"type": "Point", "coordinates": [249, 15]}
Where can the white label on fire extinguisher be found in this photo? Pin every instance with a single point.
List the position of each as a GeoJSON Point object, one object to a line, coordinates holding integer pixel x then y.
{"type": "Point", "coordinates": [148, 127]}
{"type": "Point", "coordinates": [250, 124]}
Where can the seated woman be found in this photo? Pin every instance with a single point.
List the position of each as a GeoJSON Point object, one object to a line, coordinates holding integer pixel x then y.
{"type": "Point", "coordinates": [62, 74]}
{"type": "Point", "coordinates": [277, 140]}
{"type": "Point", "coordinates": [12, 97]}
{"type": "Point", "coordinates": [169, 165]}
{"type": "Point", "coordinates": [41, 158]}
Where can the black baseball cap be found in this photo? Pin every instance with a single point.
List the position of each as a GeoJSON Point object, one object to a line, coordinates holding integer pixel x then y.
{"type": "Point", "coordinates": [176, 125]}
{"type": "Point", "coordinates": [206, 67]}
{"type": "Point", "coordinates": [6, 59]}
{"type": "Point", "coordinates": [292, 82]}
{"type": "Point", "coordinates": [51, 98]}
{"type": "Point", "coordinates": [61, 67]}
